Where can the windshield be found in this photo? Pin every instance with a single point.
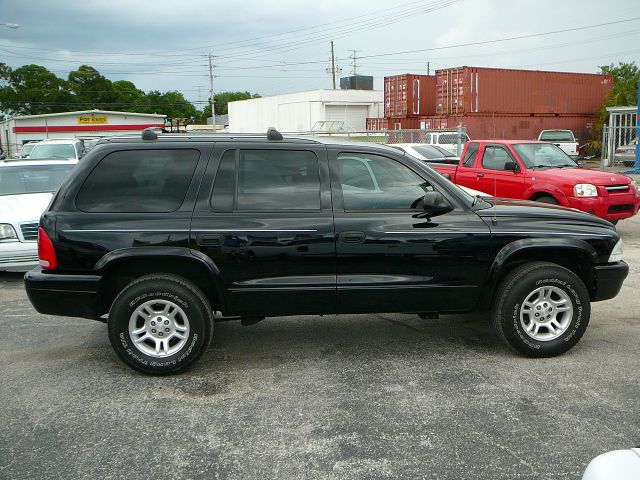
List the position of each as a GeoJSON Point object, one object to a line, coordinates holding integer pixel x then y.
{"type": "Point", "coordinates": [53, 150]}
{"type": "Point", "coordinates": [557, 136]}
{"type": "Point", "coordinates": [430, 152]}
{"type": "Point", "coordinates": [543, 155]}
{"type": "Point", "coordinates": [20, 179]}
{"type": "Point", "coordinates": [26, 150]}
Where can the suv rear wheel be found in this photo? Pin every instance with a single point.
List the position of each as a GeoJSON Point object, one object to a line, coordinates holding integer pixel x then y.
{"type": "Point", "coordinates": [541, 309]}
{"type": "Point", "coordinates": [160, 323]}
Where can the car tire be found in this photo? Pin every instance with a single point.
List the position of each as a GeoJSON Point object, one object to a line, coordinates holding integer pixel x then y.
{"type": "Point", "coordinates": [160, 323]}
{"type": "Point", "coordinates": [547, 199]}
{"type": "Point", "coordinates": [541, 309]}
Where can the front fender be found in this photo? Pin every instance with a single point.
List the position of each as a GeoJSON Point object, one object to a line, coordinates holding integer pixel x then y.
{"type": "Point", "coordinates": [536, 247]}
{"type": "Point", "coordinates": [548, 188]}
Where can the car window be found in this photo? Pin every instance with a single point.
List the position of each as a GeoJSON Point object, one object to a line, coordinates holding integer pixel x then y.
{"type": "Point", "coordinates": [278, 180]}
{"type": "Point", "coordinates": [139, 181]}
{"type": "Point", "coordinates": [557, 136]}
{"type": "Point", "coordinates": [495, 158]}
{"type": "Point", "coordinates": [56, 151]}
{"type": "Point", "coordinates": [429, 152]}
{"type": "Point", "coordinates": [470, 155]}
{"type": "Point", "coordinates": [16, 180]}
{"type": "Point", "coordinates": [373, 182]}
{"type": "Point", "coordinates": [222, 196]}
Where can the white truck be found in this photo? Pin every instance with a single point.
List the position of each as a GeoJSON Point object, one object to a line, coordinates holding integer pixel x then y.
{"type": "Point", "coordinates": [563, 139]}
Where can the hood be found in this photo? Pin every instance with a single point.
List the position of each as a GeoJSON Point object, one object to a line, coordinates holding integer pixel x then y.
{"type": "Point", "coordinates": [581, 175]}
{"type": "Point", "coordinates": [23, 208]}
{"type": "Point", "coordinates": [525, 210]}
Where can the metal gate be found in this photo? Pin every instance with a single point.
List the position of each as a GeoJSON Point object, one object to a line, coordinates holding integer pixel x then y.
{"type": "Point", "coordinates": [619, 139]}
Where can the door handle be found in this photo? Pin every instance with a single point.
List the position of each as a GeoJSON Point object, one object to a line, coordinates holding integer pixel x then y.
{"type": "Point", "coordinates": [352, 237]}
{"type": "Point", "coordinates": [209, 239]}
{"type": "Point", "coordinates": [479, 174]}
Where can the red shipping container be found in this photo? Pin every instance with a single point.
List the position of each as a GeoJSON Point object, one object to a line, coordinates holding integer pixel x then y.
{"type": "Point", "coordinates": [514, 127]}
{"type": "Point", "coordinates": [409, 95]}
{"type": "Point", "coordinates": [465, 90]}
{"type": "Point", "coordinates": [377, 124]}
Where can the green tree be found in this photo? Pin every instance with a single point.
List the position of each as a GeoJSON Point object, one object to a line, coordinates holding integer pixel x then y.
{"type": "Point", "coordinates": [128, 98]}
{"type": "Point", "coordinates": [32, 89]}
{"type": "Point", "coordinates": [172, 104]}
{"type": "Point", "coordinates": [91, 89]}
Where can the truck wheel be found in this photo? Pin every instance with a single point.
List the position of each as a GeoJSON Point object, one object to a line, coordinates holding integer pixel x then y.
{"type": "Point", "coordinates": [548, 199]}
{"type": "Point", "coordinates": [541, 309]}
{"type": "Point", "coordinates": [160, 324]}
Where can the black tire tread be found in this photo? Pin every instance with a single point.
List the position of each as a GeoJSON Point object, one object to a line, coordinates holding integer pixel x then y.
{"type": "Point", "coordinates": [183, 282]}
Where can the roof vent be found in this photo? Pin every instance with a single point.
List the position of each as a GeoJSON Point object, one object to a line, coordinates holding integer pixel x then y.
{"type": "Point", "coordinates": [149, 134]}
{"type": "Point", "coordinates": [273, 134]}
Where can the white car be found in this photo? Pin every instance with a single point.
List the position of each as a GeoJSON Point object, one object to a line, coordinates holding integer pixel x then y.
{"type": "Point", "coordinates": [58, 149]}
{"type": "Point", "coordinates": [447, 140]}
{"type": "Point", "coordinates": [564, 139]}
{"type": "Point", "coordinates": [616, 465]}
{"type": "Point", "coordinates": [26, 188]}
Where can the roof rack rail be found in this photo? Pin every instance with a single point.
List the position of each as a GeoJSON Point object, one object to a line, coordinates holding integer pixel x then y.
{"type": "Point", "coordinates": [273, 134]}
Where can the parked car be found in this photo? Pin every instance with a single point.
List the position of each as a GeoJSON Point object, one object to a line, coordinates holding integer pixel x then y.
{"type": "Point", "coordinates": [154, 234]}
{"type": "Point", "coordinates": [25, 151]}
{"type": "Point", "coordinates": [540, 171]}
{"type": "Point", "coordinates": [428, 153]}
{"type": "Point", "coordinates": [564, 139]}
{"type": "Point", "coordinates": [615, 465]}
{"type": "Point", "coordinates": [626, 154]}
{"type": "Point", "coordinates": [448, 140]}
{"type": "Point", "coordinates": [25, 191]}
{"type": "Point", "coordinates": [58, 149]}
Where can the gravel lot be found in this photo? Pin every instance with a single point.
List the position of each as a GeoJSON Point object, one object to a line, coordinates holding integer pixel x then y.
{"type": "Point", "coordinates": [382, 396]}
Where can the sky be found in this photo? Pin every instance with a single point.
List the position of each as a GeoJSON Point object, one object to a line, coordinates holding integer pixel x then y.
{"type": "Point", "coordinates": [280, 46]}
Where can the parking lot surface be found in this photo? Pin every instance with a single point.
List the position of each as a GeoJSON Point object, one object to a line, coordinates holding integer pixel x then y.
{"type": "Point", "coordinates": [354, 396]}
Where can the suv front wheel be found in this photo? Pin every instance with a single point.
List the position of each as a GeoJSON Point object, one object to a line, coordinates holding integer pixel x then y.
{"type": "Point", "coordinates": [541, 309]}
{"type": "Point", "coordinates": [160, 323]}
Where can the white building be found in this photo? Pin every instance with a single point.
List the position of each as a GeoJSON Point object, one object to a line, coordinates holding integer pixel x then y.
{"type": "Point", "coordinates": [299, 112]}
{"type": "Point", "coordinates": [16, 131]}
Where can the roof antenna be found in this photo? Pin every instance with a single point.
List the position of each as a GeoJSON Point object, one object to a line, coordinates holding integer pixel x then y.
{"type": "Point", "coordinates": [273, 134]}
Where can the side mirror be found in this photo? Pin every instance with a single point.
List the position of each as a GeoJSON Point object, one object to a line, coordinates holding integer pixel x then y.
{"type": "Point", "coordinates": [511, 166]}
{"type": "Point", "coordinates": [435, 204]}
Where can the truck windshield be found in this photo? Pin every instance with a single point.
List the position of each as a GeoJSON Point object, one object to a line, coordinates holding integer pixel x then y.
{"type": "Point", "coordinates": [53, 150]}
{"type": "Point", "coordinates": [19, 179]}
{"type": "Point", "coordinates": [557, 136]}
{"type": "Point", "coordinates": [543, 155]}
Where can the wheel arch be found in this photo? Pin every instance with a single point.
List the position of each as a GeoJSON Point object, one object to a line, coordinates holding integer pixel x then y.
{"type": "Point", "coordinates": [119, 267]}
{"type": "Point", "coordinates": [546, 190]}
{"type": "Point", "coordinates": [574, 254]}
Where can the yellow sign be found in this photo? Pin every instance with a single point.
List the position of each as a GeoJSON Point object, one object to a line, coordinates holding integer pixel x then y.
{"type": "Point", "coordinates": [93, 119]}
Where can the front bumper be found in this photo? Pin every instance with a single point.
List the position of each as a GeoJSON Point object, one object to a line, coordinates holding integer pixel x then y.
{"type": "Point", "coordinates": [609, 207]}
{"type": "Point", "coordinates": [608, 280]}
{"type": "Point", "coordinates": [18, 256]}
{"type": "Point", "coordinates": [65, 295]}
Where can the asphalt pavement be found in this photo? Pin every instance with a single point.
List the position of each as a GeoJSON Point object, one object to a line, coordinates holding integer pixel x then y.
{"type": "Point", "coordinates": [354, 396]}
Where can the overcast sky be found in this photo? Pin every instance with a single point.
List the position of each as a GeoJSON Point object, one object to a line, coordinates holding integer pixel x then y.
{"type": "Point", "coordinates": [278, 46]}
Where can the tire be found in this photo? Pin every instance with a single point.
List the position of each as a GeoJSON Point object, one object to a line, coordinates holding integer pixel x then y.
{"type": "Point", "coordinates": [521, 292]}
{"type": "Point", "coordinates": [547, 199]}
{"type": "Point", "coordinates": [151, 304]}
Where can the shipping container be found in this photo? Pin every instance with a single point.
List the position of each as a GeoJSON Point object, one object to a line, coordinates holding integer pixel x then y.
{"type": "Point", "coordinates": [377, 124]}
{"type": "Point", "coordinates": [514, 127]}
{"type": "Point", "coordinates": [465, 90]}
{"type": "Point", "coordinates": [409, 95]}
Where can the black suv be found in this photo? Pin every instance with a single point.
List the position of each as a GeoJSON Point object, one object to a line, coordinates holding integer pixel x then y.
{"type": "Point", "coordinates": [156, 233]}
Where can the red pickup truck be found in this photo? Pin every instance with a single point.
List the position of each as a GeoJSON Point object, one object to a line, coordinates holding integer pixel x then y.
{"type": "Point", "coordinates": [540, 171]}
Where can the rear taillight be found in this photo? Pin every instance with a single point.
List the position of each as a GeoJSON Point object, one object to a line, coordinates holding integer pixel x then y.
{"type": "Point", "coordinates": [46, 252]}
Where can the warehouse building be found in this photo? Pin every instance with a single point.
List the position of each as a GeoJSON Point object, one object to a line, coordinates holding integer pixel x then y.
{"type": "Point", "coordinates": [84, 124]}
{"type": "Point", "coordinates": [306, 111]}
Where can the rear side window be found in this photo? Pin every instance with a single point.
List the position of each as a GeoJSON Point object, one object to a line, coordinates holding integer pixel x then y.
{"type": "Point", "coordinates": [470, 155]}
{"type": "Point", "coordinates": [278, 180]}
{"type": "Point", "coordinates": [132, 181]}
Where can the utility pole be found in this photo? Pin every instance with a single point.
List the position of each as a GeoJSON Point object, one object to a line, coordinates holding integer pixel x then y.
{"type": "Point", "coordinates": [354, 64]}
{"type": "Point", "coordinates": [428, 69]}
{"type": "Point", "coordinates": [333, 66]}
{"type": "Point", "coordinates": [212, 100]}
